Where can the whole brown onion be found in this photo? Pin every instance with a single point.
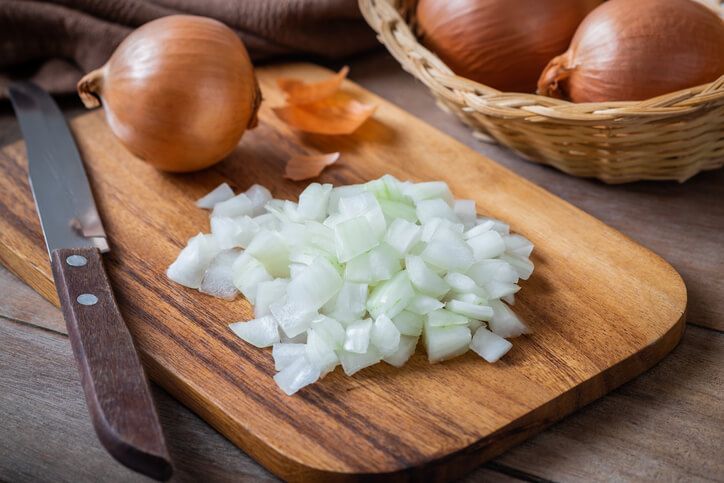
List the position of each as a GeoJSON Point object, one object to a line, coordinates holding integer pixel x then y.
{"type": "Point", "coordinates": [633, 50]}
{"type": "Point", "coordinates": [179, 92]}
{"type": "Point", "coordinates": [500, 43]}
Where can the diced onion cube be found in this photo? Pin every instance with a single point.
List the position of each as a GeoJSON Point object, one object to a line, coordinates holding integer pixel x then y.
{"type": "Point", "coordinates": [319, 352]}
{"type": "Point", "coordinates": [259, 196]}
{"type": "Point", "coordinates": [248, 274]}
{"type": "Point", "coordinates": [314, 285]}
{"type": "Point", "coordinates": [296, 375]}
{"type": "Point", "coordinates": [262, 332]}
{"type": "Point", "coordinates": [221, 193]}
{"type": "Point", "coordinates": [271, 250]}
{"type": "Point", "coordinates": [391, 297]}
{"type": "Point", "coordinates": [313, 202]}
{"type": "Point", "coordinates": [465, 211]}
{"type": "Point", "coordinates": [358, 336]}
{"type": "Point", "coordinates": [285, 354]}
{"type": "Point", "coordinates": [190, 266]}
{"type": "Point", "coordinates": [385, 336]}
{"type": "Point", "coordinates": [445, 318]}
{"type": "Point", "coordinates": [488, 345]}
{"type": "Point", "coordinates": [219, 277]}
{"type": "Point", "coordinates": [408, 323]}
{"type": "Point", "coordinates": [444, 343]}
{"type": "Point", "coordinates": [474, 311]}
{"type": "Point", "coordinates": [353, 361]}
{"type": "Point", "coordinates": [353, 237]}
{"type": "Point", "coordinates": [404, 351]}
{"type": "Point", "coordinates": [239, 205]}
{"type": "Point", "coordinates": [448, 253]}
{"type": "Point", "coordinates": [487, 245]}
{"type": "Point", "coordinates": [292, 318]}
{"type": "Point", "coordinates": [402, 236]}
{"type": "Point", "coordinates": [436, 208]}
{"type": "Point", "coordinates": [268, 293]}
{"type": "Point", "coordinates": [504, 322]}
{"type": "Point", "coordinates": [423, 278]}
{"type": "Point", "coordinates": [422, 304]}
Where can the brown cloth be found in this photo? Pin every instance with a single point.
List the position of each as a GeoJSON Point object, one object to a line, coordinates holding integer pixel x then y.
{"type": "Point", "coordinates": [54, 43]}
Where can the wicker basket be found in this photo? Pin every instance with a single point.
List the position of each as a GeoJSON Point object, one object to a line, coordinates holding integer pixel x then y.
{"type": "Point", "coordinates": [671, 137]}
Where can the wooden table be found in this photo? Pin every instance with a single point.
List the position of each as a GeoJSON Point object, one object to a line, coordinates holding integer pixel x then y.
{"type": "Point", "coordinates": [667, 424]}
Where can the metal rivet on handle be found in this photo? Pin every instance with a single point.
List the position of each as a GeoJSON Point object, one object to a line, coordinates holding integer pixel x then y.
{"type": "Point", "coordinates": [76, 260]}
{"type": "Point", "coordinates": [87, 299]}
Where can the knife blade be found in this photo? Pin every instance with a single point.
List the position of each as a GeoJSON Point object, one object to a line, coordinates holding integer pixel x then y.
{"type": "Point", "coordinates": [116, 388]}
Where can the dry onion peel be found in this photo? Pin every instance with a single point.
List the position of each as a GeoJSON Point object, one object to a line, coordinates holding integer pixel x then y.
{"type": "Point", "coordinates": [299, 92]}
{"type": "Point", "coordinates": [304, 167]}
{"type": "Point", "coordinates": [338, 114]}
{"type": "Point", "coordinates": [631, 51]}
{"type": "Point", "coordinates": [179, 92]}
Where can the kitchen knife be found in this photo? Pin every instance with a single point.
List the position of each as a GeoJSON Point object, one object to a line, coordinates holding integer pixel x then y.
{"type": "Point", "coordinates": [116, 389]}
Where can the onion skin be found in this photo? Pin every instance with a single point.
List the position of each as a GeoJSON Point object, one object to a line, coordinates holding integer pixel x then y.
{"type": "Point", "coordinates": [634, 50]}
{"type": "Point", "coordinates": [504, 44]}
{"type": "Point", "coordinates": [179, 92]}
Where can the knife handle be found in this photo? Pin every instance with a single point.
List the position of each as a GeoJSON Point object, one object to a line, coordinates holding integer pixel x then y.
{"type": "Point", "coordinates": [115, 385]}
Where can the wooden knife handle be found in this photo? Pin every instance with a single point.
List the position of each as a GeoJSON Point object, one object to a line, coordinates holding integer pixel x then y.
{"type": "Point", "coordinates": [116, 389]}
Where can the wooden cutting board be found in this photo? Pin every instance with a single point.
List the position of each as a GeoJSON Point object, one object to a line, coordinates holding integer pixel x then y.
{"type": "Point", "coordinates": [602, 308]}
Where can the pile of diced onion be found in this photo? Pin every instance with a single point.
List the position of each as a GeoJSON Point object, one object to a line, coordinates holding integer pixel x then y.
{"type": "Point", "coordinates": [355, 275]}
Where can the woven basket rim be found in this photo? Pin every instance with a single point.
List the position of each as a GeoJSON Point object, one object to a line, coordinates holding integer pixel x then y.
{"type": "Point", "coordinates": [383, 16]}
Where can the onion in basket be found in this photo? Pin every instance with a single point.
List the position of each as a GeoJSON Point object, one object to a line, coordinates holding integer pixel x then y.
{"type": "Point", "coordinates": [633, 50]}
{"type": "Point", "coordinates": [357, 274]}
{"type": "Point", "coordinates": [179, 92]}
{"type": "Point", "coordinates": [504, 44]}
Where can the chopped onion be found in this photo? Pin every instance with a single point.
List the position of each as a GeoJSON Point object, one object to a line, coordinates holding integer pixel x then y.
{"type": "Point", "coordinates": [293, 319]}
{"type": "Point", "coordinates": [424, 279]}
{"type": "Point", "coordinates": [488, 345]}
{"type": "Point", "coordinates": [354, 237]}
{"type": "Point", "coordinates": [190, 266]}
{"type": "Point", "coordinates": [261, 332]}
{"type": "Point", "coordinates": [358, 336]}
{"type": "Point", "coordinates": [353, 362]}
{"type": "Point", "coordinates": [473, 311]}
{"type": "Point", "coordinates": [391, 297]}
{"type": "Point", "coordinates": [422, 304]}
{"type": "Point", "coordinates": [404, 351]}
{"type": "Point", "coordinates": [385, 336]}
{"type": "Point", "coordinates": [221, 193]}
{"type": "Point", "coordinates": [239, 205]}
{"type": "Point", "coordinates": [219, 277]}
{"type": "Point", "coordinates": [296, 375]}
{"type": "Point", "coordinates": [444, 343]}
{"type": "Point", "coordinates": [355, 275]}
{"type": "Point", "coordinates": [285, 354]}
{"type": "Point", "coordinates": [445, 318]}
{"type": "Point", "coordinates": [272, 251]}
{"type": "Point", "coordinates": [320, 353]}
{"type": "Point", "coordinates": [465, 212]}
{"type": "Point", "coordinates": [402, 235]}
{"type": "Point", "coordinates": [259, 197]}
{"type": "Point", "coordinates": [487, 245]}
{"type": "Point", "coordinates": [408, 323]}
{"type": "Point", "coordinates": [267, 293]}
{"type": "Point", "coordinates": [248, 274]}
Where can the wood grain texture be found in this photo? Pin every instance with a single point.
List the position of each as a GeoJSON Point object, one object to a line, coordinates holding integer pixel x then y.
{"type": "Point", "coordinates": [115, 384]}
{"type": "Point", "coordinates": [21, 303]}
{"type": "Point", "coordinates": [602, 308]}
